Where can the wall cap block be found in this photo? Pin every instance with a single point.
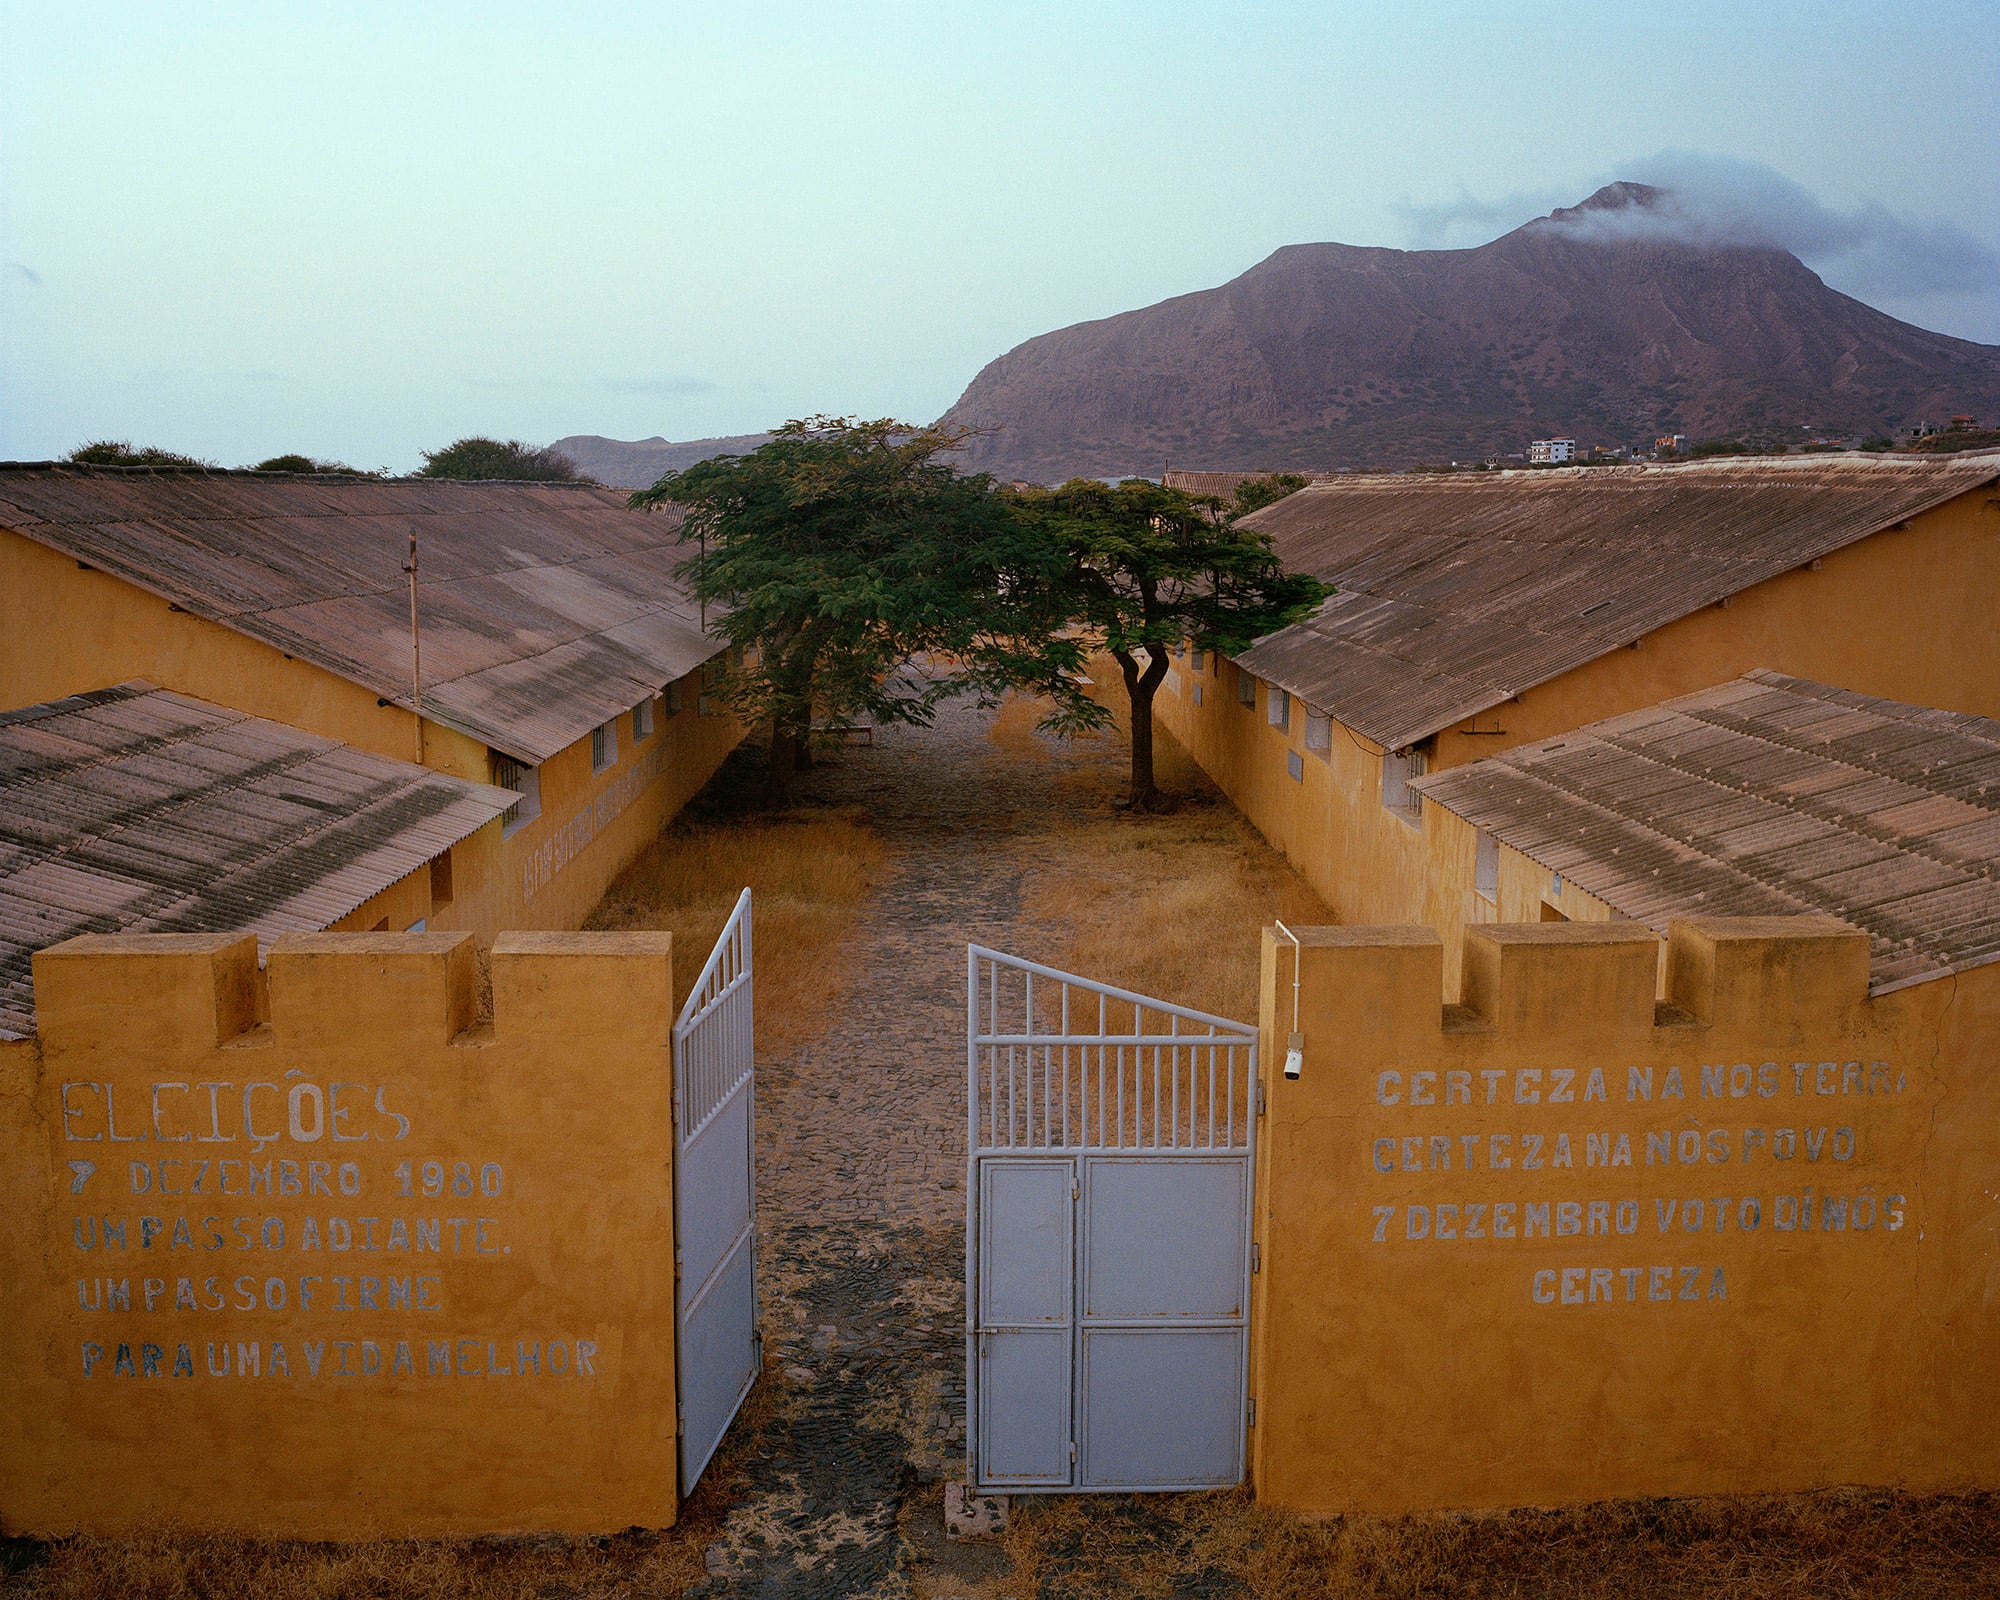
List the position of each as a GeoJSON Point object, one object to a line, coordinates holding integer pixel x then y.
{"type": "Point", "coordinates": [1617, 932]}
{"type": "Point", "coordinates": [603, 985]}
{"type": "Point", "coordinates": [584, 944]}
{"type": "Point", "coordinates": [1383, 936]}
{"type": "Point", "coordinates": [1595, 977]}
{"type": "Point", "coordinates": [366, 944]}
{"type": "Point", "coordinates": [143, 944]}
{"type": "Point", "coordinates": [95, 990]}
{"type": "Point", "coordinates": [1726, 970]}
{"type": "Point", "coordinates": [324, 986]}
{"type": "Point", "coordinates": [1736, 929]}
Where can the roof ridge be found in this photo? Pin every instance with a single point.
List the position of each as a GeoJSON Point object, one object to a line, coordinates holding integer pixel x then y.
{"type": "Point", "coordinates": [201, 470]}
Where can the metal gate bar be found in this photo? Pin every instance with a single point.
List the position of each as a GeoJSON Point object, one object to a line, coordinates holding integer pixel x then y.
{"type": "Point", "coordinates": [1079, 1089]}
{"type": "Point", "coordinates": [717, 1347]}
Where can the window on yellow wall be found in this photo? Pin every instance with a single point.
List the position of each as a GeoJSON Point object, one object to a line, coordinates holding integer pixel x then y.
{"type": "Point", "coordinates": [441, 879]}
{"type": "Point", "coordinates": [1486, 865]}
{"type": "Point", "coordinates": [673, 698]}
{"type": "Point", "coordinates": [603, 745]}
{"type": "Point", "coordinates": [1398, 798]}
{"type": "Point", "coordinates": [642, 721]}
{"type": "Point", "coordinates": [1319, 732]}
{"type": "Point", "coordinates": [1197, 694]}
{"type": "Point", "coordinates": [525, 781]}
{"type": "Point", "coordinates": [1197, 660]}
{"type": "Point", "coordinates": [1246, 688]}
{"type": "Point", "coordinates": [1278, 707]}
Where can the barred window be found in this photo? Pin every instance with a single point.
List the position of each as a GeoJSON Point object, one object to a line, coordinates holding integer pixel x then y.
{"type": "Point", "coordinates": [1398, 768]}
{"type": "Point", "coordinates": [525, 781]}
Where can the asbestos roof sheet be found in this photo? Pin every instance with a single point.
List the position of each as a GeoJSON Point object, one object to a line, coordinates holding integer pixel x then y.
{"type": "Point", "coordinates": [133, 810]}
{"type": "Point", "coordinates": [544, 609]}
{"type": "Point", "coordinates": [1456, 592]}
{"type": "Point", "coordinates": [1223, 485]}
{"type": "Point", "coordinates": [1767, 795]}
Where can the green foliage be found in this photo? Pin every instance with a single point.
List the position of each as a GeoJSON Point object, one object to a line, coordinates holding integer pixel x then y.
{"type": "Point", "coordinates": [839, 550]}
{"type": "Point", "coordinates": [306, 464]}
{"type": "Point", "coordinates": [1253, 494]}
{"type": "Point", "coordinates": [120, 453]}
{"type": "Point", "coordinates": [481, 459]}
{"type": "Point", "coordinates": [1140, 569]}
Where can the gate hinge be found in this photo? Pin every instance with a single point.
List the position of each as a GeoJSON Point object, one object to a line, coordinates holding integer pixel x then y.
{"type": "Point", "coordinates": [1072, 1452]}
{"type": "Point", "coordinates": [1256, 1257]}
{"type": "Point", "coordinates": [1253, 1411]}
{"type": "Point", "coordinates": [680, 1422]}
{"type": "Point", "coordinates": [1076, 1191]}
{"type": "Point", "coordinates": [1260, 1097]}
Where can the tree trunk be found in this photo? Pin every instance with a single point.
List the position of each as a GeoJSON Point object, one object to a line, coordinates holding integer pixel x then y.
{"type": "Point", "coordinates": [783, 763]}
{"type": "Point", "coordinates": [1140, 687]}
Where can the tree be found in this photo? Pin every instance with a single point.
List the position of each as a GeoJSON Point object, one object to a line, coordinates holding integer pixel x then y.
{"type": "Point", "coordinates": [480, 458]}
{"type": "Point", "coordinates": [1253, 494]}
{"type": "Point", "coordinates": [1143, 569]}
{"type": "Point", "coordinates": [120, 453]}
{"type": "Point", "coordinates": [307, 464]}
{"type": "Point", "coordinates": [839, 550]}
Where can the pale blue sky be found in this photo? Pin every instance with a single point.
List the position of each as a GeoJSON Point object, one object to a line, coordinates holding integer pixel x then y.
{"type": "Point", "coordinates": [362, 230]}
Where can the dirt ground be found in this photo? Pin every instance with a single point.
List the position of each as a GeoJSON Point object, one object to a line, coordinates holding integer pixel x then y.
{"type": "Point", "coordinates": [831, 1483]}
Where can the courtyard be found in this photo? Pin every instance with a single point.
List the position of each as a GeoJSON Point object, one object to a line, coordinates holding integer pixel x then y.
{"type": "Point", "coordinates": [901, 851]}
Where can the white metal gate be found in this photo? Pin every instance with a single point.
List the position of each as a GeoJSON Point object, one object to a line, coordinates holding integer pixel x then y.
{"type": "Point", "coordinates": [1107, 1234]}
{"type": "Point", "coordinates": [718, 1350]}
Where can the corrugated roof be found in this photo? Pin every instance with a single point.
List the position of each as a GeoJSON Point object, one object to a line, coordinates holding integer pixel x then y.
{"type": "Point", "coordinates": [1223, 485]}
{"type": "Point", "coordinates": [133, 810]}
{"type": "Point", "coordinates": [545, 608]}
{"type": "Point", "coordinates": [1456, 592]}
{"type": "Point", "coordinates": [1767, 796]}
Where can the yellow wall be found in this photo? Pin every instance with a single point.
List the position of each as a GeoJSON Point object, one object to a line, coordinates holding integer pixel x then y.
{"type": "Point", "coordinates": [102, 630]}
{"type": "Point", "coordinates": [1524, 891]}
{"type": "Point", "coordinates": [1690, 1337]}
{"type": "Point", "coordinates": [1909, 613]}
{"type": "Point", "coordinates": [551, 871]}
{"type": "Point", "coordinates": [548, 873]}
{"type": "Point", "coordinates": [553, 1238]}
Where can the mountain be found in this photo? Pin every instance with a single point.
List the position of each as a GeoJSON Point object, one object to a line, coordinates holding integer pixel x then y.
{"type": "Point", "coordinates": [638, 463]}
{"type": "Point", "coordinates": [1611, 322]}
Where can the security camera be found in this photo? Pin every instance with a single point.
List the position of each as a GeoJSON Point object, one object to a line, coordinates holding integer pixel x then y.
{"type": "Point", "coordinates": [1295, 1055]}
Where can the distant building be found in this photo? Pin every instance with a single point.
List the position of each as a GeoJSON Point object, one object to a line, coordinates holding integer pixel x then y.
{"type": "Point", "coordinates": [1551, 452]}
{"type": "Point", "coordinates": [1959, 424]}
{"type": "Point", "coordinates": [1670, 444]}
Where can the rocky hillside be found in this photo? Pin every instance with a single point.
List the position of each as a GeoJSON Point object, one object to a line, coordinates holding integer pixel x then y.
{"type": "Point", "coordinates": [1597, 322]}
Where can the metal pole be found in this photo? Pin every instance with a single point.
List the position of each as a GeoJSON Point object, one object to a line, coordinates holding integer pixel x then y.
{"type": "Point", "coordinates": [416, 651]}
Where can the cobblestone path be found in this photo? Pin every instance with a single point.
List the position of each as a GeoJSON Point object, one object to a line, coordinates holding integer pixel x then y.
{"type": "Point", "coordinates": [861, 1173]}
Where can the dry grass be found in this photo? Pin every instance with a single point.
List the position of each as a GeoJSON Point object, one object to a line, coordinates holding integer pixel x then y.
{"type": "Point", "coordinates": [1840, 1543]}
{"type": "Point", "coordinates": [808, 875]}
{"type": "Point", "coordinates": [1171, 903]}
